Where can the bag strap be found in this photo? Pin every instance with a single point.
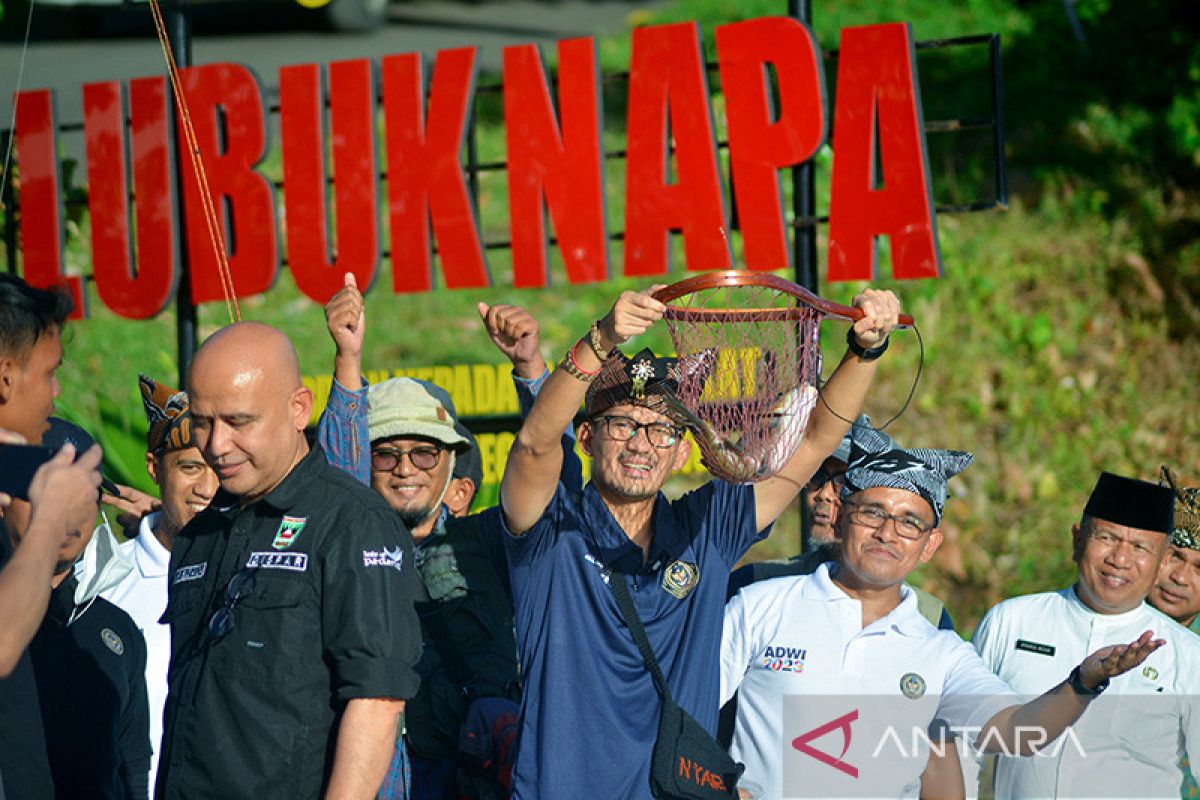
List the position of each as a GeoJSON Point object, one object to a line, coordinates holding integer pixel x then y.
{"type": "Point", "coordinates": [638, 632]}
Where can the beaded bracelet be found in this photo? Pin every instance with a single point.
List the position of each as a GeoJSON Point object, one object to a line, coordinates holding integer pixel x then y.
{"type": "Point", "coordinates": [594, 341]}
{"type": "Point", "coordinates": [572, 368]}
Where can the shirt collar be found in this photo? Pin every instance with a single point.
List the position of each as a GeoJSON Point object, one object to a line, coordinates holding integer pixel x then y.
{"type": "Point", "coordinates": [615, 550]}
{"type": "Point", "coordinates": [905, 618]}
{"type": "Point", "coordinates": [153, 560]}
{"type": "Point", "coordinates": [290, 491]}
{"type": "Point", "coordinates": [1086, 612]}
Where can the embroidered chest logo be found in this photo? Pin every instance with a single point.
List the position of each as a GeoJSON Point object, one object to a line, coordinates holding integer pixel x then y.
{"type": "Point", "coordinates": [293, 562]}
{"type": "Point", "coordinates": [112, 641]}
{"type": "Point", "coordinates": [781, 658]}
{"type": "Point", "coordinates": [912, 685]}
{"type": "Point", "coordinates": [1150, 672]}
{"type": "Point", "coordinates": [384, 558]}
{"type": "Point", "coordinates": [289, 529]}
{"type": "Point", "coordinates": [193, 573]}
{"type": "Point", "coordinates": [680, 578]}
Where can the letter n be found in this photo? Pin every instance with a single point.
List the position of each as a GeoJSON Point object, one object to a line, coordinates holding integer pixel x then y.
{"type": "Point", "coordinates": [685, 768]}
{"type": "Point", "coordinates": [141, 291]}
{"type": "Point", "coordinates": [763, 139]}
{"type": "Point", "coordinates": [878, 96]}
{"type": "Point", "coordinates": [425, 175]}
{"type": "Point", "coordinates": [41, 200]}
{"type": "Point", "coordinates": [351, 94]}
{"type": "Point", "coordinates": [668, 102]}
{"type": "Point", "coordinates": [227, 112]}
{"type": "Point", "coordinates": [557, 160]}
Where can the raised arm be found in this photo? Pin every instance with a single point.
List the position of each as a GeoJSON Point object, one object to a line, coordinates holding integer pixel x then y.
{"type": "Point", "coordinates": [843, 395]}
{"type": "Point", "coordinates": [1025, 729]}
{"type": "Point", "coordinates": [536, 457]}
{"type": "Point", "coordinates": [342, 430]}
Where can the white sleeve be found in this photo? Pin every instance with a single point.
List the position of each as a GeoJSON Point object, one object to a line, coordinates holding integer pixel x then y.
{"type": "Point", "coordinates": [973, 694]}
{"type": "Point", "coordinates": [988, 640]}
{"type": "Point", "coordinates": [1190, 723]}
{"type": "Point", "coordinates": [737, 646]}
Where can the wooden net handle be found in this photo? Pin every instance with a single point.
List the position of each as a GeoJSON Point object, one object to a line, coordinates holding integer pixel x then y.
{"type": "Point", "coordinates": [724, 278]}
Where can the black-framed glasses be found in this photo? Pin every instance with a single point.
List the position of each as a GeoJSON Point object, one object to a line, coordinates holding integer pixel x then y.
{"type": "Point", "coordinates": [386, 459]}
{"type": "Point", "coordinates": [239, 588]}
{"type": "Point", "coordinates": [824, 476]}
{"type": "Point", "coordinates": [623, 429]}
{"type": "Point", "coordinates": [907, 526]}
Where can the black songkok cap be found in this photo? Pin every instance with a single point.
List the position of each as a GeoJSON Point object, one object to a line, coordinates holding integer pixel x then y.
{"type": "Point", "coordinates": [1132, 503]}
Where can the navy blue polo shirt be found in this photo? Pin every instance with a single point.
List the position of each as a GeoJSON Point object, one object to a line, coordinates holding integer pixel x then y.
{"type": "Point", "coordinates": [589, 712]}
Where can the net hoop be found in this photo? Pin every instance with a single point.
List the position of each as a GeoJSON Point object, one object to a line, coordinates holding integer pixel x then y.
{"type": "Point", "coordinates": [735, 277]}
{"type": "Point", "coordinates": [749, 354]}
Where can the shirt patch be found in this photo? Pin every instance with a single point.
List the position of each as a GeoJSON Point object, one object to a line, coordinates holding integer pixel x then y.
{"type": "Point", "coordinates": [780, 658]}
{"type": "Point", "coordinates": [294, 562]}
{"type": "Point", "coordinates": [1035, 647]}
{"type": "Point", "coordinates": [112, 641]}
{"type": "Point", "coordinates": [193, 573]}
{"type": "Point", "coordinates": [384, 558]}
{"type": "Point", "coordinates": [1150, 672]}
{"type": "Point", "coordinates": [289, 529]}
{"type": "Point", "coordinates": [912, 685]}
{"type": "Point", "coordinates": [680, 578]}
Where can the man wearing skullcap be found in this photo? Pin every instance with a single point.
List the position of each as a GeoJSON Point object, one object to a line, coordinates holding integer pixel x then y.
{"type": "Point", "coordinates": [850, 641]}
{"type": "Point", "coordinates": [590, 709]}
{"type": "Point", "coordinates": [1176, 593]}
{"type": "Point", "coordinates": [1131, 741]}
{"type": "Point", "coordinates": [186, 485]}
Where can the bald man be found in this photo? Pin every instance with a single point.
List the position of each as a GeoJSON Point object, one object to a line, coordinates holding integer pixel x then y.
{"type": "Point", "coordinates": [293, 634]}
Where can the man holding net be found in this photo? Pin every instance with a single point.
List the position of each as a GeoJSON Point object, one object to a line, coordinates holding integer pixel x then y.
{"type": "Point", "coordinates": [590, 709]}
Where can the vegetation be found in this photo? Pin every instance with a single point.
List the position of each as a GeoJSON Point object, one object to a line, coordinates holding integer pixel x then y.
{"type": "Point", "coordinates": [1061, 341]}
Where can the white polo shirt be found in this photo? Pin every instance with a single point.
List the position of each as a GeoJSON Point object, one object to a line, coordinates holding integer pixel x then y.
{"type": "Point", "coordinates": [1132, 737]}
{"type": "Point", "coordinates": [142, 594]}
{"type": "Point", "coordinates": [828, 708]}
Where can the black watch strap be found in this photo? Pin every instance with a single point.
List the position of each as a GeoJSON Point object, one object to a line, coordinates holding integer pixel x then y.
{"type": "Point", "coordinates": [865, 353]}
{"type": "Point", "coordinates": [1076, 682]}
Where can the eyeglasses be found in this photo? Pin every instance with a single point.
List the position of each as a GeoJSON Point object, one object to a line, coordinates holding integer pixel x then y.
{"type": "Point", "coordinates": [822, 477]}
{"type": "Point", "coordinates": [907, 527]}
{"type": "Point", "coordinates": [623, 429]}
{"type": "Point", "coordinates": [386, 459]}
{"type": "Point", "coordinates": [239, 588]}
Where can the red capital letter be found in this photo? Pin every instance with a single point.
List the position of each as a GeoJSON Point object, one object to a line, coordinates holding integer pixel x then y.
{"type": "Point", "coordinates": [134, 292]}
{"type": "Point", "coordinates": [877, 91]}
{"type": "Point", "coordinates": [667, 81]}
{"type": "Point", "coordinates": [41, 204]}
{"type": "Point", "coordinates": [762, 140]}
{"type": "Point", "coordinates": [425, 176]}
{"type": "Point", "coordinates": [231, 128]}
{"type": "Point", "coordinates": [301, 122]}
{"type": "Point", "coordinates": [565, 167]}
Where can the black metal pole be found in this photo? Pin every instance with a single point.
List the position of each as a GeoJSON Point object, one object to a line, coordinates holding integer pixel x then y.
{"type": "Point", "coordinates": [179, 34]}
{"type": "Point", "coordinates": [804, 241]}
{"type": "Point", "coordinates": [9, 201]}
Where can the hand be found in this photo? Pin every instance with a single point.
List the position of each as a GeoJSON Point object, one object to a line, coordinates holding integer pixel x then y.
{"type": "Point", "coordinates": [63, 491]}
{"type": "Point", "coordinates": [515, 333]}
{"type": "Point", "coordinates": [881, 316]}
{"type": "Point", "coordinates": [1109, 662]}
{"type": "Point", "coordinates": [632, 314]}
{"type": "Point", "coordinates": [133, 505]}
{"type": "Point", "coordinates": [346, 319]}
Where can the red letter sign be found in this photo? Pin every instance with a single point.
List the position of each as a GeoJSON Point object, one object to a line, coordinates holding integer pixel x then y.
{"type": "Point", "coordinates": [565, 167]}
{"type": "Point", "coordinates": [231, 129]}
{"type": "Point", "coordinates": [425, 176]}
{"type": "Point", "coordinates": [301, 123]}
{"type": "Point", "coordinates": [141, 292]}
{"type": "Point", "coordinates": [41, 208]}
{"type": "Point", "coordinates": [761, 141]}
{"type": "Point", "coordinates": [667, 80]}
{"type": "Point", "coordinates": [877, 90]}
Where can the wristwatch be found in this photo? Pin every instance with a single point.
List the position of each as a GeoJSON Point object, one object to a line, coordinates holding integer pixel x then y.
{"type": "Point", "coordinates": [1076, 682]}
{"type": "Point", "coordinates": [865, 353]}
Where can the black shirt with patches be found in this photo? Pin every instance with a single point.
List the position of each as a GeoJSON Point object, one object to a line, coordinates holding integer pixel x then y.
{"type": "Point", "coordinates": [24, 768]}
{"type": "Point", "coordinates": [328, 617]}
{"type": "Point", "coordinates": [90, 664]}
